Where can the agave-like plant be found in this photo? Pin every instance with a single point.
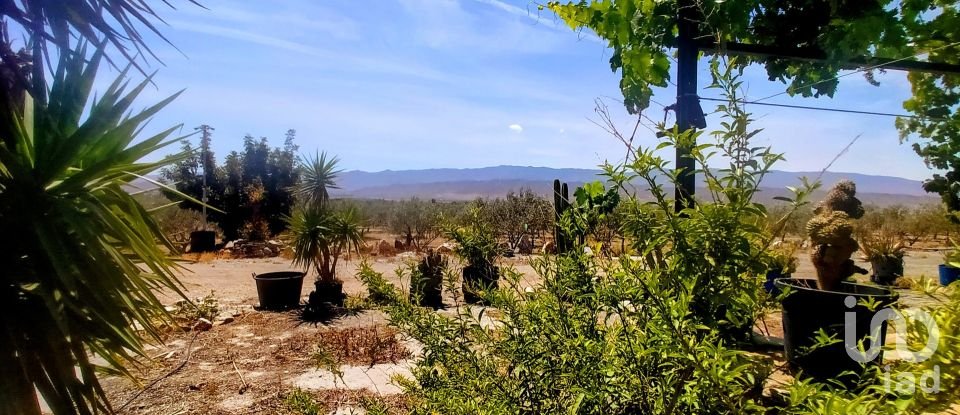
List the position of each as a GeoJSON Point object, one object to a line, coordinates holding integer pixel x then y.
{"type": "Point", "coordinates": [320, 236]}
{"type": "Point", "coordinates": [81, 259]}
{"type": "Point", "coordinates": [317, 175]}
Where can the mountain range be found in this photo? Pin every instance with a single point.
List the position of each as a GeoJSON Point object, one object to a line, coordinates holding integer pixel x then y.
{"type": "Point", "coordinates": [471, 183]}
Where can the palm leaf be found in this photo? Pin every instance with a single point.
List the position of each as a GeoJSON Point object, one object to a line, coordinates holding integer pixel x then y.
{"type": "Point", "coordinates": [318, 174]}
{"type": "Point", "coordinates": [114, 22]}
{"type": "Point", "coordinates": [82, 259]}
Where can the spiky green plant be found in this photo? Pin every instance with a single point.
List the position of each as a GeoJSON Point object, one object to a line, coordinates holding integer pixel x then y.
{"type": "Point", "coordinates": [318, 174]}
{"type": "Point", "coordinates": [81, 257]}
{"type": "Point", "coordinates": [319, 237]}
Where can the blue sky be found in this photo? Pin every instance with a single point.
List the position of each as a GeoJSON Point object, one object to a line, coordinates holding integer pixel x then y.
{"type": "Point", "coordinates": [458, 83]}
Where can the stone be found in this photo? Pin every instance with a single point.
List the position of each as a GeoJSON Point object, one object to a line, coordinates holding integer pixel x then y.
{"type": "Point", "coordinates": [445, 248]}
{"type": "Point", "coordinates": [525, 246]}
{"type": "Point", "coordinates": [365, 249]}
{"type": "Point", "coordinates": [230, 245]}
{"type": "Point", "coordinates": [549, 248]}
{"type": "Point", "coordinates": [398, 245]}
{"type": "Point", "coordinates": [227, 320]}
{"type": "Point", "coordinates": [384, 248]}
{"type": "Point", "coordinates": [203, 325]}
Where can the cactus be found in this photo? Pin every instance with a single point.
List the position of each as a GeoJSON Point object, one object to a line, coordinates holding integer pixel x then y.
{"type": "Point", "coordinates": [426, 280]}
{"type": "Point", "coordinates": [830, 232]}
{"type": "Point", "coordinates": [561, 202]}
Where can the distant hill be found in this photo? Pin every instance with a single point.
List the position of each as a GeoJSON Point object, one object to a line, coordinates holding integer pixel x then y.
{"type": "Point", "coordinates": [466, 184]}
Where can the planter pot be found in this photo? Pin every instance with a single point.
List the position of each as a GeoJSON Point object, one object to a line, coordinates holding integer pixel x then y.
{"type": "Point", "coordinates": [427, 291]}
{"type": "Point", "coordinates": [327, 293]}
{"type": "Point", "coordinates": [886, 270]}
{"type": "Point", "coordinates": [808, 309]}
{"type": "Point", "coordinates": [948, 274]}
{"type": "Point", "coordinates": [203, 241]}
{"type": "Point", "coordinates": [279, 290]}
{"type": "Point", "coordinates": [478, 278]}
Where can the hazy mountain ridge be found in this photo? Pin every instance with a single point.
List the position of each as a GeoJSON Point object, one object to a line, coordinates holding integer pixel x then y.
{"type": "Point", "coordinates": [466, 184]}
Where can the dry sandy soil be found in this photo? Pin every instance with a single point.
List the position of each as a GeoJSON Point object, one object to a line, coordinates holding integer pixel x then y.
{"type": "Point", "coordinates": [251, 361]}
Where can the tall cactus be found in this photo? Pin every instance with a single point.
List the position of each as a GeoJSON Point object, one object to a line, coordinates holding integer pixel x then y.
{"type": "Point", "coordinates": [830, 231]}
{"type": "Point", "coordinates": [426, 280]}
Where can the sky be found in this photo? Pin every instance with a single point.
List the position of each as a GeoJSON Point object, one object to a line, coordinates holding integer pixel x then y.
{"type": "Point", "coordinates": [408, 84]}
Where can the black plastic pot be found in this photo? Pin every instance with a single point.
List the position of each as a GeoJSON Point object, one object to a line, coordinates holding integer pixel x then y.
{"type": "Point", "coordinates": [327, 293]}
{"type": "Point", "coordinates": [203, 241]}
{"type": "Point", "coordinates": [479, 278]}
{"type": "Point", "coordinates": [325, 302]}
{"type": "Point", "coordinates": [807, 309]}
{"type": "Point", "coordinates": [886, 270]}
{"type": "Point", "coordinates": [279, 290]}
{"type": "Point", "coordinates": [948, 274]}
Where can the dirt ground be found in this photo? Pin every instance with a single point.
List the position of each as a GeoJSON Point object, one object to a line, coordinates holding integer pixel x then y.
{"type": "Point", "coordinates": [231, 280]}
{"type": "Point", "coordinates": [250, 362]}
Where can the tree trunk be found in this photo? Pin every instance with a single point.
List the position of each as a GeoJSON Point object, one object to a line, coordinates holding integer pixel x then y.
{"type": "Point", "coordinates": [17, 394]}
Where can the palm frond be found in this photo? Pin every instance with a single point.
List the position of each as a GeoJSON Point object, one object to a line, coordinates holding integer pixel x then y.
{"type": "Point", "coordinates": [116, 22]}
{"type": "Point", "coordinates": [82, 258]}
{"type": "Point", "coordinates": [318, 174]}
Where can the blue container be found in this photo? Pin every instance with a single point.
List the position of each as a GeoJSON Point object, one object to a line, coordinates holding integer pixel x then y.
{"type": "Point", "coordinates": [769, 286]}
{"type": "Point", "coordinates": [948, 274]}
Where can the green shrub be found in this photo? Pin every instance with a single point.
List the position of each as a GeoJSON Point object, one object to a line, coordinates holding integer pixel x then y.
{"type": "Point", "coordinates": [660, 333]}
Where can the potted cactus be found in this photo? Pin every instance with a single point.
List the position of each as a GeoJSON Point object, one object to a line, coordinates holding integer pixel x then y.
{"type": "Point", "coordinates": [477, 245]}
{"type": "Point", "coordinates": [950, 268]}
{"type": "Point", "coordinates": [426, 280]}
{"type": "Point", "coordinates": [813, 307]}
{"type": "Point", "coordinates": [885, 254]}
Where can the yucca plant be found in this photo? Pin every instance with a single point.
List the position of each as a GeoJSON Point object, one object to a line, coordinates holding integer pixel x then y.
{"type": "Point", "coordinates": [317, 175]}
{"type": "Point", "coordinates": [81, 258]}
{"type": "Point", "coordinates": [320, 234]}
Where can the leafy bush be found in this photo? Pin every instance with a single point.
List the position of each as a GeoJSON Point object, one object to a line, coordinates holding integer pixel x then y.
{"type": "Point", "coordinates": [659, 334]}
{"type": "Point", "coordinates": [476, 241]}
{"type": "Point", "coordinates": [518, 214]}
{"type": "Point", "coordinates": [416, 221]}
{"type": "Point", "coordinates": [783, 257]}
{"type": "Point", "coordinates": [252, 190]}
{"type": "Point", "coordinates": [379, 290]}
{"type": "Point", "coordinates": [188, 312]}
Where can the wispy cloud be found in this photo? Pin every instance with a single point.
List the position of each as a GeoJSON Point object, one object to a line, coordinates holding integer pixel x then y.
{"type": "Point", "coordinates": [246, 36]}
{"type": "Point", "coordinates": [516, 128]}
{"type": "Point", "coordinates": [536, 15]}
{"type": "Point", "coordinates": [320, 20]}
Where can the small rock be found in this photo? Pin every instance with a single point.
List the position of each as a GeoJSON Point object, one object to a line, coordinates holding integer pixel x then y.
{"type": "Point", "coordinates": [549, 248]}
{"type": "Point", "coordinates": [445, 248]}
{"type": "Point", "coordinates": [525, 246]}
{"type": "Point", "coordinates": [230, 245]}
{"type": "Point", "coordinates": [384, 248]}
{"type": "Point", "coordinates": [203, 325]}
{"type": "Point", "coordinates": [274, 242]}
{"type": "Point", "coordinates": [348, 410]}
{"type": "Point", "coordinates": [226, 320]}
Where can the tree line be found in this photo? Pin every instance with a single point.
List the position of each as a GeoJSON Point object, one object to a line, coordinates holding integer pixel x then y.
{"type": "Point", "coordinates": [251, 192]}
